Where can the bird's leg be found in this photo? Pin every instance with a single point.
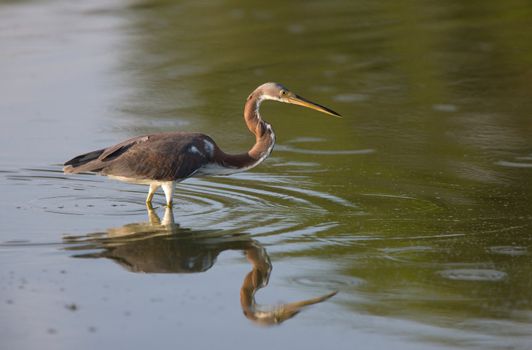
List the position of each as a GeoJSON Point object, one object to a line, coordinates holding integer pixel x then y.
{"type": "Point", "coordinates": [151, 192]}
{"type": "Point", "coordinates": [168, 188]}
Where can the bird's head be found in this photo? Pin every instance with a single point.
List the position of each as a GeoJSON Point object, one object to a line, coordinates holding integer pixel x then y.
{"type": "Point", "coordinates": [277, 92]}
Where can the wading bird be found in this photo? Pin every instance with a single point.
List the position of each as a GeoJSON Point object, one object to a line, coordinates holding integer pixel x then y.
{"type": "Point", "coordinates": [161, 160]}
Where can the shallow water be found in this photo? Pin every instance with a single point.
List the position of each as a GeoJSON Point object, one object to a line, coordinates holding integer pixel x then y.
{"type": "Point", "coordinates": [415, 207]}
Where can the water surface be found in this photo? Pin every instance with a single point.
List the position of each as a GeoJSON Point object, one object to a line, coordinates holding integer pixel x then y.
{"type": "Point", "coordinates": [415, 207]}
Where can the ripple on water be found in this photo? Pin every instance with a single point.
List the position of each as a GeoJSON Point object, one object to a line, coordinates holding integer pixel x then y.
{"type": "Point", "coordinates": [301, 167]}
{"type": "Point", "coordinates": [88, 205]}
{"type": "Point", "coordinates": [304, 139]}
{"type": "Point", "coordinates": [509, 164]}
{"type": "Point", "coordinates": [328, 282]}
{"type": "Point", "coordinates": [488, 275]}
{"type": "Point", "coordinates": [297, 164]}
{"type": "Point", "coordinates": [407, 250]}
{"type": "Point", "coordinates": [523, 162]}
{"type": "Point", "coordinates": [403, 202]}
{"type": "Point", "coordinates": [253, 202]}
{"type": "Point", "coordinates": [291, 149]}
{"type": "Point", "coordinates": [509, 250]}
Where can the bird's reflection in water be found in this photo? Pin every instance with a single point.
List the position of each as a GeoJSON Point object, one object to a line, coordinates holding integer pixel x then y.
{"type": "Point", "coordinates": [164, 247]}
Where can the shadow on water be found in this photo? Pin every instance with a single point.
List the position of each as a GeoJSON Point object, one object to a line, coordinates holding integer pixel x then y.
{"type": "Point", "coordinates": [165, 247]}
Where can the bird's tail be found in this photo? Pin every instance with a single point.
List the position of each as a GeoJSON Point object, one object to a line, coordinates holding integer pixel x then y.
{"type": "Point", "coordinates": [83, 162]}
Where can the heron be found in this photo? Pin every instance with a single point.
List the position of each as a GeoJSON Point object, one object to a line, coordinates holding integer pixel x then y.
{"type": "Point", "coordinates": [164, 159]}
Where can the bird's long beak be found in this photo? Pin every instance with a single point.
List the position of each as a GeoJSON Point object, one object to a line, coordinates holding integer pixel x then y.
{"type": "Point", "coordinates": [298, 100]}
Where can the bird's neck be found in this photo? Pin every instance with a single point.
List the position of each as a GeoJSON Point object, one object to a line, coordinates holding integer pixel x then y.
{"type": "Point", "coordinates": [264, 137]}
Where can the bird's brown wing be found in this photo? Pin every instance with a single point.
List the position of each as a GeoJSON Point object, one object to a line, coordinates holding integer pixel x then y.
{"type": "Point", "coordinates": [88, 161]}
{"type": "Point", "coordinates": [115, 151]}
{"type": "Point", "coordinates": [164, 157]}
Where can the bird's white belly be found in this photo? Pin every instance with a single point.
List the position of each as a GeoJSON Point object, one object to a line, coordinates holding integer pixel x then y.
{"type": "Point", "coordinates": [137, 181]}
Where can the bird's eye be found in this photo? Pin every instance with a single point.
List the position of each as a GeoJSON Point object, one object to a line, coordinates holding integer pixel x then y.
{"type": "Point", "coordinates": [283, 92]}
